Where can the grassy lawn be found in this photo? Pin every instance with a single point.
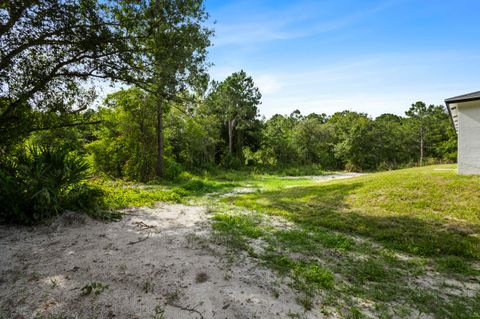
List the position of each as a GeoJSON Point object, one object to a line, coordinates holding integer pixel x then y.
{"type": "Point", "coordinates": [404, 243]}
{"type": "Point", "coordinates": [420, 211]}
{"type": "Point", "coordinates": [392, 244]}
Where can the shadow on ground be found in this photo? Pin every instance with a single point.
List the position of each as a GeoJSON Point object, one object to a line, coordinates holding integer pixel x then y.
{"type": "Point", "coordinates": [328, 206]}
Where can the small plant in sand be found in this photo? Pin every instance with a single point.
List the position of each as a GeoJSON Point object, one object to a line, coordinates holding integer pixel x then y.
{"type": "Point", "coordinates": [172, 297]}
{"type": "Point", "coordinates": [54, 283]}
{"type": "Point", "coordinates": [95, 288]}
{"type": "Point", "coordinates": [148, 285]}
{"type": "Point", "coordinates": [159, 312]}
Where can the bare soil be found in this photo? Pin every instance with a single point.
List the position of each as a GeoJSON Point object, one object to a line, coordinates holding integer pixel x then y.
{"type": "Point", "coordinates": [156, 262]}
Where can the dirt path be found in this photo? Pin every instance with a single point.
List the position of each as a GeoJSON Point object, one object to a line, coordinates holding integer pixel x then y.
{"type": "Point", "coordinates": [157, 262]}
{"type": "Point", "coordinates": [326, 177]}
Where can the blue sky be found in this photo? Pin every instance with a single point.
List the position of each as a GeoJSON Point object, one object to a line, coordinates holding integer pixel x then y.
{"type": "Point", "coordinates": [363, 55]}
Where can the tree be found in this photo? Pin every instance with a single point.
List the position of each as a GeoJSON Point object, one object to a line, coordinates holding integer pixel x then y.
{"type": "Point", "coordinates": [418, 113]}
{"type": "Point", "coordinates": [393, 141]}
{"type": "Point", "coordinates": [313, 141]}
{"type": "Point", "coordinates": [192, 137]}
{"type": "Point", "coordinates": [431, 125]}
{"type": "Point", "coordinates": [171, 52]}
{"type": "Point", "coordinates": [277, 140]}
{"type": "Point", "coordinates": [236, 100]}
{"type": "Point", "coordinates": [48, 51]}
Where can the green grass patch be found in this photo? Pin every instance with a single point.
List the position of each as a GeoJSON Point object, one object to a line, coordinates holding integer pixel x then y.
{"type": "Point", "coordinates": [420, 211]}
{"type": "Point", "coordinates": [238, 225]}
{"type": "Point", "coordinates": [120, 194]}
{"type": "Point", "coordinates": [376, 238]}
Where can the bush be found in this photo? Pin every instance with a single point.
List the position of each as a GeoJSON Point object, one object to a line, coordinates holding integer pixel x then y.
{"type": "Point", "coordinates": [36, 183]}
{"type": "Point", "coordinates": [85, 197]}
{"type": "Point", "coordinates": [172, 169]}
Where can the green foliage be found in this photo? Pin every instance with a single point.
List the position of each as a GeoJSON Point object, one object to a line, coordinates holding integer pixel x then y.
{"type": "Point", "coordinates": [456, 265]}
{"type": "Point", "coordinates": [242, 225]}
{"type": "Point", "coordinates": [125, 143]}
{"type": "Point", "coordinates": [85, 197]}
{"type": "Point", "coordinates": [37, 182]}
{"type": "Point", "coordinates": [235, 103]}
{"type": "Point", "coordinates": [95, 288]}
{"type": "Point", "coordinates": [120, 194]}
{"type": "Point", "coordinates": [222, 129]}
{"type": "Point", "coordinates": [80, 40]}
{"type": "Point", "coordinates": [353, 141]}
{"type": "Point", "coordinates": [313, 274]}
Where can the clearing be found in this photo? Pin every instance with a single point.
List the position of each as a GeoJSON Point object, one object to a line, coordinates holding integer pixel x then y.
{"type": "Point", "coordinates": [393, 244]}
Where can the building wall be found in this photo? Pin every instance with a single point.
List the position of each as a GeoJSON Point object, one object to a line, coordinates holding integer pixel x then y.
{"type": "Point", "coordinates": [469, 138]}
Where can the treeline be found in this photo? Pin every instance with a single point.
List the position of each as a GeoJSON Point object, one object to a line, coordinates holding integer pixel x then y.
{"type": "Point", "coordinates": [223, 129]}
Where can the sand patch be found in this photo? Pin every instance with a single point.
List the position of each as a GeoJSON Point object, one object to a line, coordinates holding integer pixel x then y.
{"type": "Point", "coordinates": [154, 263]}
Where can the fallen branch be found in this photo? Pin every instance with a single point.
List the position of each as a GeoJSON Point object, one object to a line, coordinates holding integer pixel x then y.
{"type": "Point", "coordinates": [140, 240]}
{"type": "Point", "coordinates": [143, 225]}
{"type": "Point", "coordinates": [187, 309]}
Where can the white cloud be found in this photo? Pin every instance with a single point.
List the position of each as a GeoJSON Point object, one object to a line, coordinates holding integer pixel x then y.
{"type": "Point", "coordinates": [267, 84]}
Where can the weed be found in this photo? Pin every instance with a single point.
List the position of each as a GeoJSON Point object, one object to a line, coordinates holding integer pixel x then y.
{"type": "Point", "coordinates": [275, 293]}
{"type": "Point", "coordinates": [456, 265]}
{"type": "Point", "coordinates": [54, 283]}
{"type": "Point", "coordinates": [159, 312]}
{"type": "Point", "coordinates": [148, 285]}
{"type": "Point", "coordinates": [314, 275]}
{"type": "Point", "coordinates": [370, 270]}
{"type": "Point", "coordinates": [305, 301]}
{"type": "Point", "coordinates": [172, 297]}
{"type": "Point", "coordinates": [34, 276]}
{"type": "Point", "coordinates": [291, 314]}
{"type": "Point", "coordinates": [355, 313]}
{"type": "Point", "coordinates": [94, 287]}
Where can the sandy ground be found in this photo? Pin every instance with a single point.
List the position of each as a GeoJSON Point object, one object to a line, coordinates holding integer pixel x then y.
{"type": "Point", "coordinates": [157, 262]}
{"type": "Point", "coordinates": [326, 177]}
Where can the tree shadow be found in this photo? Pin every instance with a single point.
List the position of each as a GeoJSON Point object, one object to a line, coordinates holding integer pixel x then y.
{"type": "Point", "coordinates": [327, 206]}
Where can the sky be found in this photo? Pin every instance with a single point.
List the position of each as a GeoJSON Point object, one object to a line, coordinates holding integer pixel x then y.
{"type": "Point", "coordinates": [368, 56]}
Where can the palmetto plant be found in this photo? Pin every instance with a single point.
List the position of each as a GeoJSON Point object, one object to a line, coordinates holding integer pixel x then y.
{"type": "Point", "coordinates": [37, 182]}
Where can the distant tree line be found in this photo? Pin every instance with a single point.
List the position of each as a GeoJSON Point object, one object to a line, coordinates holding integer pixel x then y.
{"type": "Point", "coordinates": [223, 128]}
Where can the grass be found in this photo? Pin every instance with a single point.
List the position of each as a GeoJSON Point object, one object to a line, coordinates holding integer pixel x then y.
{"type": "Point", "coordinates": [381, 245]}
{"type": "Point", "coordinates": [120, 194]}
{"type": "Point", "coordinates": [419, 211]}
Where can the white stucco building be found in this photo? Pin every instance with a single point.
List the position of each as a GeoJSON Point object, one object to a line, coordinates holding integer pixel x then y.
{"type": "Point", "coordinates": [465, 112]}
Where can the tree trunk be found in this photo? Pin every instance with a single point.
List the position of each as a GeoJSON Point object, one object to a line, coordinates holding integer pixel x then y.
{"type": "Point", "coordinates": [160, 164]}
{"type": "Point", "coordinates": [421, 145]}
{"type": "Point", "coordinates": [231, 127]}
{"type": "Point", "coordinates": [144, 168]}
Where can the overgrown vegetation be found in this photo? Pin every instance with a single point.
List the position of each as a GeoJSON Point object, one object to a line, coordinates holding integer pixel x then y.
{"type": "Point", "coordinates": [40, 182]}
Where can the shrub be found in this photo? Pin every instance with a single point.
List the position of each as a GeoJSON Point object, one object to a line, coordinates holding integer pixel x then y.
{"type": "Point", "coordinates": [35, 184]}
{"type": "Point", "coordinates": [85, 197]}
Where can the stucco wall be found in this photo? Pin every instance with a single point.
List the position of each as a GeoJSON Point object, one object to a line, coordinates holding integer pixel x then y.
{"type": "Point", "coordinates": [469, 138]}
